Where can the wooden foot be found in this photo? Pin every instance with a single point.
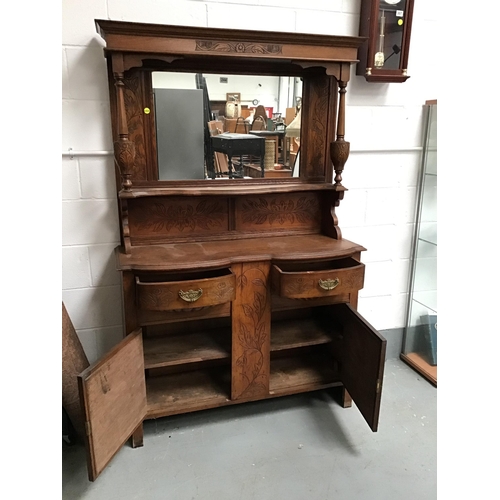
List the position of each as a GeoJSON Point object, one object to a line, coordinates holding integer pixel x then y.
{"type": "Point", "coordinates": [138, 437]}
{"type": "Point", "coordinates": [346, 401]}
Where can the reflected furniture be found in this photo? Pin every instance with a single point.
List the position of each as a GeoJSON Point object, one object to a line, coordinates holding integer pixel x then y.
{"type": "Point", "coordinates": [278, 136]}
{"type": "Point", "coordinates": [273, 173]}
{"type": "Point", "coordinates": [234, 290]}
{"type": "Point", "coordinates": [239, 145]}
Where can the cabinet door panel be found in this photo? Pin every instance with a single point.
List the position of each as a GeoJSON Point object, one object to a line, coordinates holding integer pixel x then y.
{"type": "Point", "coordinates": [362, 357]}
{"type": "Point", "coordinates": [113, 398]}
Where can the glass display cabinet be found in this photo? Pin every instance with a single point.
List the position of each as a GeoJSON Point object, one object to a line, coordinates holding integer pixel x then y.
{"type": "Point", "coordinates": [420, 338]}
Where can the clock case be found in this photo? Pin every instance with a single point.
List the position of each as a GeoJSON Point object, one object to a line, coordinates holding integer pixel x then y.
{"type": "Point", "coordinates": [397, 40]}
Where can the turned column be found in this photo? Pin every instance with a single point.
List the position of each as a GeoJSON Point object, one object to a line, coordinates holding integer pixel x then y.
{"type": "Point", "coordinates": [123, 148]}
{"type": "Point", "coordinates": [339, 149]}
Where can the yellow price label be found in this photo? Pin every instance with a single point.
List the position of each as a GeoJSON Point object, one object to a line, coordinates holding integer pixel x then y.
{"type": "Point", "coordinates": [147, 111]}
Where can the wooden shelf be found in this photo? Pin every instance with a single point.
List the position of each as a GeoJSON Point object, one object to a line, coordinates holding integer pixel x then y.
{"type": "Point", "coordinates": [417, 362]}
{"type": "Point", "coordinates": [210, 387]}
{"type": "Point", "coordinates": [218, 254]}
{"type": "Point", "coordinates": [174, 350]}
{"type": "Point", "coordinates": [291, 375]}
{"type": "Point", "coordinates": [190, 391]}
{"type": "Point", "coordinates": [181, 349]}
{"type": "Point", "coordinates": [296, 333]}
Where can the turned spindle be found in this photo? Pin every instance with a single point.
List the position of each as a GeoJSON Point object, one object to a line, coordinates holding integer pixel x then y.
{"type": "Point", "coordinates": [124, 149]}
{"type": "Point", "coordinates": [339, 149]}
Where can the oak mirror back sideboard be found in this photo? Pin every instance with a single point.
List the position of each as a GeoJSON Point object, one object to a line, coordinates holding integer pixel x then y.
{"type": "Point", "coordinates": [235, 288]}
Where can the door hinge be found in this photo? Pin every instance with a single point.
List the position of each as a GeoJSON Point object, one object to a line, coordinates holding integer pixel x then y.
{"type": "Point", "coordinates": [88, 429]}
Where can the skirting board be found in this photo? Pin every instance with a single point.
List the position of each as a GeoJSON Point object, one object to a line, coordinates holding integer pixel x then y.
{"type": "Point", "coordinates": [394, 337]}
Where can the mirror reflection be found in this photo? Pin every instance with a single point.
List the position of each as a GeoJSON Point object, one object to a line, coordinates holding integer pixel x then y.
{"type": "Point", "coordinates": [212, 126]}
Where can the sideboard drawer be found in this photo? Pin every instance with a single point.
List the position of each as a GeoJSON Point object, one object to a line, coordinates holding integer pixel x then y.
{"type": "Point", "coordinates": [318, 279]}
{"type": "Point", "coordinates": [160, 293]}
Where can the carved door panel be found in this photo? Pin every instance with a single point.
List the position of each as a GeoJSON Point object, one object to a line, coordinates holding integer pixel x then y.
{"type": "Point", "coordinates": [113, 398]}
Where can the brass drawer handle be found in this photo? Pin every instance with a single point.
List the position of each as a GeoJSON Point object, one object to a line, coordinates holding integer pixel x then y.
{"type": "Point", "coordinates": [191, 295]}
{"type": "Point", "coordinates": [329, 284]}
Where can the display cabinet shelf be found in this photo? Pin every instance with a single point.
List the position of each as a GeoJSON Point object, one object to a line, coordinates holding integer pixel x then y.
{"type": "Point", "coordinates": [420, 336]}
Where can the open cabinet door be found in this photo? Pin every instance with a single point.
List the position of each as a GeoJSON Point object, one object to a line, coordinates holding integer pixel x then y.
{"type": "Point", "coordinates": [362, 359]}
{"type": "Point", "coordinates": [113, 398]}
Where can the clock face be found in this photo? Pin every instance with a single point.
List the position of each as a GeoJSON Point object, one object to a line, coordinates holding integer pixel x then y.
{"type": "Point", "coordinates": [392, 2]}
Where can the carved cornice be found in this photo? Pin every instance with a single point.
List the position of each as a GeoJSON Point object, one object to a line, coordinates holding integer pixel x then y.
{"type": "Point", "coordinates": [237, 47]}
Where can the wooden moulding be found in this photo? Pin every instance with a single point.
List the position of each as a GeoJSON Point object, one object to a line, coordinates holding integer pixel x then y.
{"type": "Point", "coordinates": [237, 187]}
{"type": "Point", "coordinates": [215, 42]}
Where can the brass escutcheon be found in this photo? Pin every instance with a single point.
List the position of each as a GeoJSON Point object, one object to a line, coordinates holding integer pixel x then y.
{"type": "Point", "coordinates": [329, 284]}
{"type": "Point", "coordinates": [191, 295]}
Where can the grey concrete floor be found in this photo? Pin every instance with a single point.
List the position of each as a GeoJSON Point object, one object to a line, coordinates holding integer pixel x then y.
{"type": "Point", "coordinates": [292, 448]}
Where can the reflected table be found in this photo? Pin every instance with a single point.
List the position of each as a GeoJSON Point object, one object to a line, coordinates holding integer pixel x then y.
{"type": "Point", "coordinates": [239, 145]}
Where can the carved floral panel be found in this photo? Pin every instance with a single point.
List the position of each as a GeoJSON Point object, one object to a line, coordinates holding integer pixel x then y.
{"type": "Point", "coordinates": [284, 211]}
{"type": "Point", "coordinates": [177, 216]}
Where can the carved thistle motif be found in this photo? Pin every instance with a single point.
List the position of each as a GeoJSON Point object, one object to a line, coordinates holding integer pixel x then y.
{"type": "Point", "coordinates": [252, 334]}
{"type": "Point", "coordinates": [125, 156]}
{"type": "Point", "coordinates": [339, 153]}
{"type": "Point", "coordinates": [164, 216]}
{"type": "Point", "coordinates": [259, 211]}
{"type": "Point", "coordinates": [125, 153]}
{"type": "Point", "coordinates": [238, 48]}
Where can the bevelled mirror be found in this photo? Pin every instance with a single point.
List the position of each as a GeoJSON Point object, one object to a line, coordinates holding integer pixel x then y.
{"type": "Point", "coordinates": [226, 126]}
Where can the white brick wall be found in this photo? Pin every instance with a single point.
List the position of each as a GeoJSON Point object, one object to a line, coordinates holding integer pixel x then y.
{"type": "Point", "coordinates": [377, 211]}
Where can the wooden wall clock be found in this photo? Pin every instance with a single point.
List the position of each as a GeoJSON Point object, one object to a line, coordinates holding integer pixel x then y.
{"type": "Point", "coordinates": [387, 26]}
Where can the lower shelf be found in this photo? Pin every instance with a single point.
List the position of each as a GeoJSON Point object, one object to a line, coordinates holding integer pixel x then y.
{"type": "Point", "coordinates": [211, 387]}
{"type": "Point", "coordinates": [188, 391]}
{"type": "Point", "coordinates": [291, 375]}
{"type": "Point", "coordinates": [417, 362]}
